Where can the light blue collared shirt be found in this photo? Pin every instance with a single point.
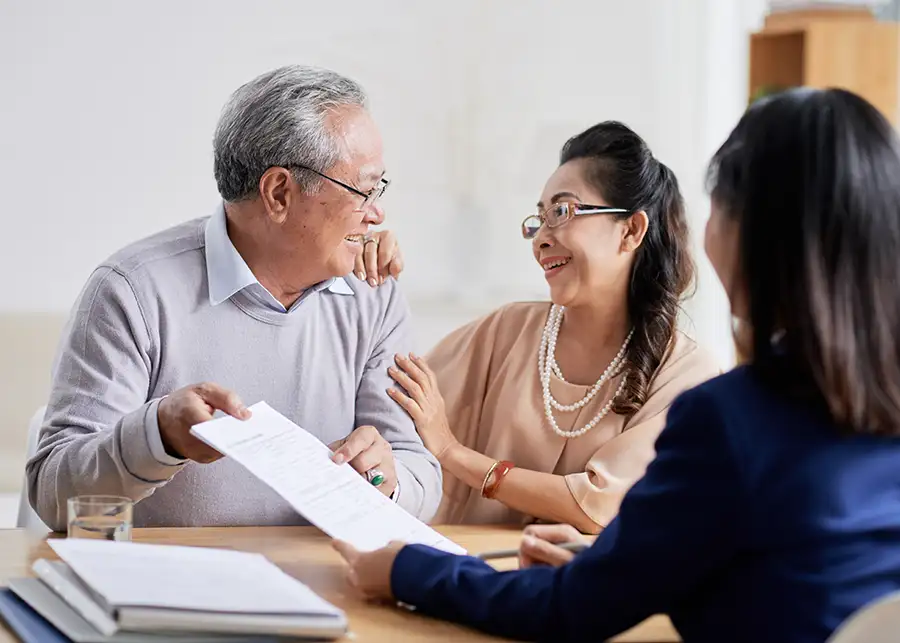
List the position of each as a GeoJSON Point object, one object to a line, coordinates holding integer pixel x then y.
{"type": "Point", "coordinates": [228, 273]}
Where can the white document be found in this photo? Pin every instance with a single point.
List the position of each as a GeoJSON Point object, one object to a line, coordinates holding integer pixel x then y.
{"type": "Point", "coordinates": [200, 579]}
{"type": "Point", "coordinates": [335, 498]}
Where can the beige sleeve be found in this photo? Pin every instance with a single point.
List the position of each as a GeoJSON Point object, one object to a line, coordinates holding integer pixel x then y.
{"type": "Point", "coordinates": [461, 363]}
{"type": "Point", "coordinates": [621, 461]}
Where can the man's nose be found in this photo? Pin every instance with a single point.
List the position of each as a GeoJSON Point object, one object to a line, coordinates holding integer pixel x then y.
{"type": "Point", "coordinates": [374, 214]}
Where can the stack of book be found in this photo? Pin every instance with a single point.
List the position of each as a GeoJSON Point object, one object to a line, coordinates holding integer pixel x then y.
{"type": "Point", "coordinates": [120, 592]}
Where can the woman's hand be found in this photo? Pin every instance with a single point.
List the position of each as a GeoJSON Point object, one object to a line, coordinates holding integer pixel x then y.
{"type": "Point", "coordinates": [539, 545]}
{"type": "Point", "coordinates": [370, 572]}
{"type": "Point", "coordinates": [381, 258]}
{"type": "Point", "coordinates": [423, 402]}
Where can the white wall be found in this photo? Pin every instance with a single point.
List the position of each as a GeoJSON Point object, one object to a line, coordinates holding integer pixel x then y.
{"type": "Point", "coordinates": [108, 109]}
{"type": "Point", "coordinates": [108, 121]}
{"type": "Point", "coordinates": [108, 126]}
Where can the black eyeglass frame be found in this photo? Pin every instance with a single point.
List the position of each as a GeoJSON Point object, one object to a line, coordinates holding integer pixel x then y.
{"type": "Point", "coordinates": [369, 197]}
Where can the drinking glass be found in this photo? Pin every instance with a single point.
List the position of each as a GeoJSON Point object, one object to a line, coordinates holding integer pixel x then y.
{"type": "Point", "coordinates": [100, 517]}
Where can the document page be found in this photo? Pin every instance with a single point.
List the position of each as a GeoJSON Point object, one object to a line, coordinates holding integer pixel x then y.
{"type": "Point", "coordinates": [130, 574]}
{"type": "Point", "coordinates": [335, 498]}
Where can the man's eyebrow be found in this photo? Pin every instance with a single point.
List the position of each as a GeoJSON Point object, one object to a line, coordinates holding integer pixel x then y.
{"type": "Point", "coordinates": [371, 174]}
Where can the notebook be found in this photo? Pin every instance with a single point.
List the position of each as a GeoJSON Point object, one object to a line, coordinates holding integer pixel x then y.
{"type": "Point", "coordinates": [136, 587]}
{"type": "Point", "coordinates": [37, 615]}
{"type": "Point", "coordinates": [26, 623]}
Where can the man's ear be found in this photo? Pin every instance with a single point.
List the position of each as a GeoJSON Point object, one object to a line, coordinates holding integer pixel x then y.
{"type": "Point", "coordinates": [275, 192]}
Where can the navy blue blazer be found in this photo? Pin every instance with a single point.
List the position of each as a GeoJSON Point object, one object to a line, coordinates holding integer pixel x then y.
{"type": "Point", "coordinates": [757, 521]}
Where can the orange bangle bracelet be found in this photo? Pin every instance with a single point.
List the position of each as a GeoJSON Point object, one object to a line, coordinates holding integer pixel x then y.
{"type": "Point", "coordinates": [487, 477]}
{"type": "Point", "coordinates": [495, 477]}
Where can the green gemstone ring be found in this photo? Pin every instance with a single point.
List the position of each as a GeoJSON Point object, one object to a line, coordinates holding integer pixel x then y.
{"type": "Point", "coordinates": [376, 477]}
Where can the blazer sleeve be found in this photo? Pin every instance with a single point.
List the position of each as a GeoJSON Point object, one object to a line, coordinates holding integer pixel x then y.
{"type": "Point", "coordinates": [677, 526]}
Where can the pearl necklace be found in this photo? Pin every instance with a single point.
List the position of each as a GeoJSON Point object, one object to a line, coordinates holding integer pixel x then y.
{"type": "Point", "coordinates": [547, 365]}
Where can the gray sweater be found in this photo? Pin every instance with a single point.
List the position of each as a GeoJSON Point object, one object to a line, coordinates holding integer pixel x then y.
{"type": "Point", "coordinates": [144, 326]}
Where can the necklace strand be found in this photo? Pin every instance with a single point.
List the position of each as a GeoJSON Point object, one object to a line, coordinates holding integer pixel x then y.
{"type": "Point", "coordinates": [547, 365]}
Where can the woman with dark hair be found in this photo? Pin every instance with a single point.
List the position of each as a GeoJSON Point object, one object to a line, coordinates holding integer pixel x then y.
{"type": "Point", "coordinates": [549, 412]}
{"type": "Point", "coordinates": [771, 511]}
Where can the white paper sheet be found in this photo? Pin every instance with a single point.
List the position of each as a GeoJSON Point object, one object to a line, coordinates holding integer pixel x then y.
{"type": "Point", "coordinates": [187, 578]}
{"type": "Point", "coordinates": [335, 498]}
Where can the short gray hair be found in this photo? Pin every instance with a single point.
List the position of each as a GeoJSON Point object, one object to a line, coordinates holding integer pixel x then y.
{"type": "Point", "coordinates": [278, 119]}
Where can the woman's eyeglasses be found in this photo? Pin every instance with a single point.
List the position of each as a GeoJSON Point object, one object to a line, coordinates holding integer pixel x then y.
{"type": "Point", "coordinates": [559, 213]}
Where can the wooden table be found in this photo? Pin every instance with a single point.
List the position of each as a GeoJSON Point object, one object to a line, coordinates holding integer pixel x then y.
{"type": "Point", "coordinates": [304, 552]}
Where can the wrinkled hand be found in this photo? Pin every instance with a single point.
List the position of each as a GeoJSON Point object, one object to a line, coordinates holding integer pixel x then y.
{"type": "Point", "coordinates": [379, 259]}
{"type": "Point", "coordinates": [366, 449]}
{"type": "Point", "coordinates": [191, 405]}
{"type": "Point", "coordinates": [423, 402]}
{"type": "Point", "coordinates": [370, 572]}
{"type": "Point", "coordinates": [539, 542]}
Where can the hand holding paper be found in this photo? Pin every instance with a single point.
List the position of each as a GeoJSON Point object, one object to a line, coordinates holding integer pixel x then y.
{"type": "Point", "coordinates": [371, 455]}
{"type": "Point", "coordinates": [188, 406]}
{"type": "Point", "coordinates": [299, 468]}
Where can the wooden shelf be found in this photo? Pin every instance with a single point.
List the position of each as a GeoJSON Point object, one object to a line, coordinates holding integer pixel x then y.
{"type": "Point", "coordinates": [850, 50]}
{"type": "Point", "coordinates": [777, 60]}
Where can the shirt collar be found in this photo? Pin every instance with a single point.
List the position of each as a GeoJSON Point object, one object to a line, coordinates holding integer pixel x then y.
{"type": "Point", "coordinates": [228, 273]}
{"type": "Point", "coordinates": [339, 286]}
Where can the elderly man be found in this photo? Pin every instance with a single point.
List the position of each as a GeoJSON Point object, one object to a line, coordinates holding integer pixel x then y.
{"type": "Point", "coordinates": [252, 303]}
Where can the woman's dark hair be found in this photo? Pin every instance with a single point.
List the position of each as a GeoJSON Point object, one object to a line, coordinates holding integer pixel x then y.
{"type": "Point", "coordinates": [812, 179]}
{"type": "Point", "coordinates": [628, 176]}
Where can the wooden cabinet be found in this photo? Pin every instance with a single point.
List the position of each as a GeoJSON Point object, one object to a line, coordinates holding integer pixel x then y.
{"type": "Point", "coordinates": [847, 49]}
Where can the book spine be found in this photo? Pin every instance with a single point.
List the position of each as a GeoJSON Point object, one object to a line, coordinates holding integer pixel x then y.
{"type": "Point", "coordinates": [75, 597]}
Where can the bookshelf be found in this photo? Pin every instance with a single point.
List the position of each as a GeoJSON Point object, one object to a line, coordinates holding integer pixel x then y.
{"type": "Point", "coordinates": [828, 48]}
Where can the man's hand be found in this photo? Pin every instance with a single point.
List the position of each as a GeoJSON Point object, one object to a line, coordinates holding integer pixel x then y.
{"type": "Point", "coordinates": [191, 405]}
{"type": "Point", "coordinates": [381, 258]}
{"type": "Point", "coordinates": [365, 449]}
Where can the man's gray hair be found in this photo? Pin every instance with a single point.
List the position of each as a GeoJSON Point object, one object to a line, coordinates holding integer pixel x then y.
{"type": "Point", "coordinates": [278, 119]}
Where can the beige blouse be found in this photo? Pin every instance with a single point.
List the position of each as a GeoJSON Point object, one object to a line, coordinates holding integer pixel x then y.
{"type": "Point", "coordinates": [488, 375]}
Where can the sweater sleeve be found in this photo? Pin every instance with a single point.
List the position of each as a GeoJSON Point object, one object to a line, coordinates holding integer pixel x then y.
{"type": "Point", "coordinates": [677, 526]}
{"type": "Point", "coordinates": [418, 471]}
{"type": "Point", "coordinates": [94, 436]}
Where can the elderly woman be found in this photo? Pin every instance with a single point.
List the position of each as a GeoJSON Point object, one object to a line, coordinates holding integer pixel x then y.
{"type": "Point", "coordinates": [771, 511]}
{"type": "Point", "coordinates": [549, 411]}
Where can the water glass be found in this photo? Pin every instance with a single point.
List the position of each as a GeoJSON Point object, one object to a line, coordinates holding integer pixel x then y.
{"type": "Point", "coordinates": [100, 517]}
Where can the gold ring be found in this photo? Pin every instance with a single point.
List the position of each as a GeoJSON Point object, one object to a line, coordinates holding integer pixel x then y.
{"type": "Point", "coordinates": [371, 240]}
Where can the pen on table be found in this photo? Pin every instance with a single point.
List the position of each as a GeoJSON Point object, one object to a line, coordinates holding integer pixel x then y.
{"type": "Point", "coordinates": [512, 553]}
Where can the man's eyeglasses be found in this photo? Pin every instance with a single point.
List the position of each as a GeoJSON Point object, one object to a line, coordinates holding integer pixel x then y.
{"type": "Point", "coordinates": [369, 198]}
{"type": "Point", "coordinates": [559, 213]}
